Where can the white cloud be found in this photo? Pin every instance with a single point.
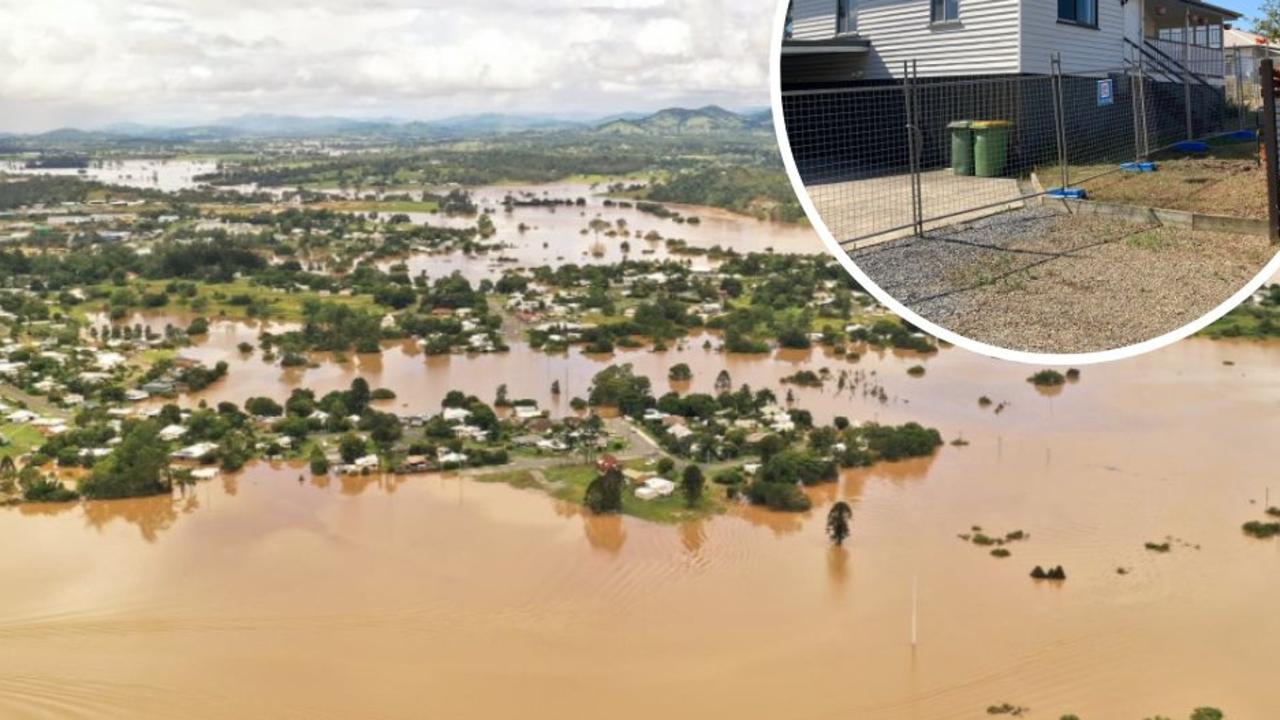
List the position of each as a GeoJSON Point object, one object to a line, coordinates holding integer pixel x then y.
{"type": "Point", "coordinates": [89, 63]}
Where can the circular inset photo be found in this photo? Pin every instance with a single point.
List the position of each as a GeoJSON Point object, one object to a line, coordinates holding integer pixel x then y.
{"type": "Point", "coordinates": [1074, 181]}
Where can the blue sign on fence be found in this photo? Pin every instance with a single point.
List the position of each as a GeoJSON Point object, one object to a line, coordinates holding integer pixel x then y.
{"type": "Point", "coordinates": [1106, 92]}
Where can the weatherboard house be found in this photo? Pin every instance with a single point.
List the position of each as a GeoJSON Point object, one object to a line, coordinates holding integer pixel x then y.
{"type": "Point", "coordinates": [840, 42]}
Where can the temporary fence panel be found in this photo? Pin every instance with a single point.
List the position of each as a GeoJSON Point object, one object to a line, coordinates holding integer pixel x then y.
{"type": "Point", "coordinates": [899, 158]}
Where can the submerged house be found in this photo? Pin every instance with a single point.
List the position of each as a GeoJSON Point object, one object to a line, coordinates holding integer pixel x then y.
{"type": "Point", "coordinates": [838, 42]}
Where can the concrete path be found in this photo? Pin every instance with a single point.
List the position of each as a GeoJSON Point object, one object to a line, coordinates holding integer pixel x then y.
{"type": "Point", "coordinates": [858, 208]}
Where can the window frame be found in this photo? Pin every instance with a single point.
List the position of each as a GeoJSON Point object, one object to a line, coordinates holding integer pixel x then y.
{"type": "Point", "coordinates": [846, 17]}
{"type": "Point", "coordinates": [939, 7]}
{"type": "Point", "coordinates": [1075, 20]}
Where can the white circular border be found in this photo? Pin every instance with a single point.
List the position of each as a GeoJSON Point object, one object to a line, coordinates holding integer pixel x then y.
{"type": "Point", "coordinates": [1020, 356]}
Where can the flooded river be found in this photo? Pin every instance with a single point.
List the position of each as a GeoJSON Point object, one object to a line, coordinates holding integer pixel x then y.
{"type": "Point", "coordinates": [265, 596]}
{"type": "Point", "coordinates": [155, 174]}
{"type": "Point", "coordinates": [552, 235]}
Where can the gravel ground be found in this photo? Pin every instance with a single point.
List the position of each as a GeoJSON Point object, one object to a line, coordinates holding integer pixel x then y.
{"type": "Point", "coordinates": [1037, 280]}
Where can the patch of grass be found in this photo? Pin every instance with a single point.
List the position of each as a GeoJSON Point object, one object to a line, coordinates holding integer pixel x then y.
{"type": "Point", "coordinates": [1227, 180]}
{"type": "Point", "coordinates": [1152, 239]}
{"type": "Point", "coordinates": [571, 485]}
{"type": "Point", "coordinates": [522, 479]}
{"type": "Point", "coordinates": [212, 300]}
{"type": "Point", "coordinates": [20, 439]}
{"type": "Point", "coordinates": [389, 207]}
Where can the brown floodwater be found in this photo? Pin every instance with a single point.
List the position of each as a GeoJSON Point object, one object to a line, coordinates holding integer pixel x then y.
{"type": "Point", "coordinates": [261, 595]}
{"type": "Point", "coordinates": [552, 235]}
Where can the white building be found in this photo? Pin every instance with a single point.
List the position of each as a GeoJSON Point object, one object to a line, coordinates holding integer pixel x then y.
{"type": "Point", "coordinates": [852, 40]}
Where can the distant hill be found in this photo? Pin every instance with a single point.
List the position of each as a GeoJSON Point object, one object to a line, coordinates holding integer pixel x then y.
{"type": "Point", "coordinates": [681, 121]}
{"type": "Point", "coordinates": [710, 120]}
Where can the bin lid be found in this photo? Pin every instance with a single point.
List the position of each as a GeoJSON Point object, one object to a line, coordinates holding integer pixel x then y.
{"type": "Point", "coordinates": [987, 124]}
{"type": "Point", "coordinates": [959, 124]}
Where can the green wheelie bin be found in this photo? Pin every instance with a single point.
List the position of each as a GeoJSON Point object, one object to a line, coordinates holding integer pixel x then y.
{"type": "Point", "coordinates": [990, 147]}
{"type": "Point", "coordinates": [961, 147]}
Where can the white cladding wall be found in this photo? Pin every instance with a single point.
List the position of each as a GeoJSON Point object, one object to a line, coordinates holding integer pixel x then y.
{"type": "Point", "coordinates": [991, 37]}
{"type": "Point", "coordinates": [813, 19]}
{"type": "Point", "coordinates": [1083, 49]}
{"type": "Point", "coordinates": [984, 41]}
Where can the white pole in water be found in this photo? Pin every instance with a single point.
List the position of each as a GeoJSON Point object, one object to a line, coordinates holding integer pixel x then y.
{"type": "Point", "coordinates": [914, 609]}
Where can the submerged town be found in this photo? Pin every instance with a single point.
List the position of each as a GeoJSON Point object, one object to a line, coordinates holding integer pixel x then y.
{"type": "Point", "coordinates": [627, 329]}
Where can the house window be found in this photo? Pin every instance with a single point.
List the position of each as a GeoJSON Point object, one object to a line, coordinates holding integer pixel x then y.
{"type": "Point", "coordinates": [944, 11]}
{"type": "Point", "coordinates": [845, 17]}
{"type": "Point", "coordinates": [1080, 12]}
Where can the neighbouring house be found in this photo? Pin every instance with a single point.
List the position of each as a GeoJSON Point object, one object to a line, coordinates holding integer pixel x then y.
{"type": "Point", "coordinates": [199, 451]}
{"type": "Point", "coordinates": [527, 412]}
{"type": "Point", "coordinates": [655, 487]}
{"type": "Point", "coordinates": [454, 414]}
{"type": "Point", "coordinates": [1244, 52]}
{"type": "Point", "coordinates": [21, 416]}
{"type": "Point", "coordinates": [169, 433]}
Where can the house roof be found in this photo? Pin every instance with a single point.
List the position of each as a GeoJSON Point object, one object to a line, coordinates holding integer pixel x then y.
{"type": "Point", "coordinates": [1239, 38]}
{"type": "Point", "coordinates": [1231, 14]}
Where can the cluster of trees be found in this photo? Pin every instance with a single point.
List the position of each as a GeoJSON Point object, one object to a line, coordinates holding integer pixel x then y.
{"type": "Point", "coordinates": [896, 334]}
{"type": "Point", "coordinates": [334, 326]}
{"type": "Point", "coordinates": [761, 191]}
{"type": "Point", "coordinates": [619, 386]}
{"type": "Point", "coordinates": [137, 466]}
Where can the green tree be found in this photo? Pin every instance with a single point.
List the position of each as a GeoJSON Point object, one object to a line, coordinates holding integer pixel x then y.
{"type": "Point", "coordinates": [351, 447]}
{"type": "Point", "coordinates": [838, 522]}
{"type": "Point", "coordinates": [691, 484]}
{"type": "Point", "coordinates": [604, 494]}
{"type": "Point", "coordinates": [137, 467]}
{"type": "Point", "coordinates": [1268, 24]}
{"type": "Point", "coordinates": [319, 463]}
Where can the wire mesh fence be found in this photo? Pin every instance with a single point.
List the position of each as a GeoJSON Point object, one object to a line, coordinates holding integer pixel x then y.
{"type": "Point", "coordinates": [900, 158]}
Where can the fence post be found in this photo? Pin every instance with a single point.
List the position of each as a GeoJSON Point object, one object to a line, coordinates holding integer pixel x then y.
{"type": "Point", "coordinates": [1267, 78]}
{"type": "Point", "coordinates": [1059, 118]}
{"type": "Point", "coordinates": [916, 124]}
{"type": "Point", "coordinates": [908, 98]}
{"type": "Point", "coordinates": [1135, 79]}
{"type": "Point", "coordinates": [1142, 106]}
{"type": "Point", "coordinates": [1239, 68]}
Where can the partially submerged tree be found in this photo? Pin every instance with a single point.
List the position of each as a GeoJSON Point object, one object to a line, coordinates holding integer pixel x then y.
{"type": "Point", "coordinates": [691, 484]}
{"type": "Point", "coordinates": [604, 494]}
{"type": "Point", "coordinates": [838, 522]}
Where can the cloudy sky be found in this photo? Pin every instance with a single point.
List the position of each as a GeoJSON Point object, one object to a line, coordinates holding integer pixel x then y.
{"type": "Point", "coordinates": [88, 63]}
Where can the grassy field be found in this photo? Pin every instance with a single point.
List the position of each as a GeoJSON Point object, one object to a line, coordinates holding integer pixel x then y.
{"type": "Point", "coordinates": [1246, 321]}
{"type": "Point", "coordinates": [213, 300]}
{"type": "Point", "coordinates": [20, 439]}
{"type": "Point", "coordinates": [569, 483]}
{"type": "Point", "coordinates": [390, 207]}
{"type": "Point", "coordinates": [1227, 180]}
{"type": "Point", "coordinates": [572, 482]}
